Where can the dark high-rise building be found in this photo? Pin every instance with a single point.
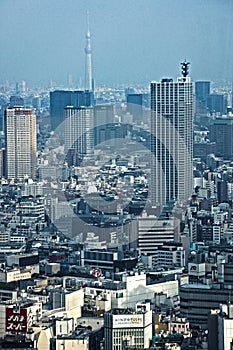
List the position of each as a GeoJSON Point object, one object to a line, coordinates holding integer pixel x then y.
{"type": "Point", "coordinates": [60, 99]}
{"type": "Point", "coordinates": [222, 194]}
{"type": "Point", "coordinates": [16, 101]}
{"type": "Point", "coordinates": [202, 90]}
{"type": "Point", "coordinates": [203, 149]}
{"type": "Point", "coordinates": [216, 103]}
{"type": "Point", "coordinates": [3, 106]}
{"type": "Point", "coordinates": [36, 102]}
{"type": "Point", "coordinates": [103, 116]}
{"type": "Point", "coordinates": [2, 161]}
{"type": "Point", "coordinates": [134, 105]}
{"type": "Point", "coordinates": [221, 132]}
{"type": "Point", "coordinates": [232, 98]}
{"type": "Point", "coordinates": [172, 139]}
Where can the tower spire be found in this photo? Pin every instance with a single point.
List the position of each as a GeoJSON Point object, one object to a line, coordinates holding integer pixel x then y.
{"type": "Point", "coordinates": [88, 24]}
{"type": "Point", "coordinates": [88, 64]}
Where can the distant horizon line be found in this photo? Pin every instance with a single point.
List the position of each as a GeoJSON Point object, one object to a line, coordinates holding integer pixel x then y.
{"type": "Point", "coordinates": [51, 84]}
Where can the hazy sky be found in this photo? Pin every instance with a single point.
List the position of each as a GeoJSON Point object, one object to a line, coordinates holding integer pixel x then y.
{"type": "Point", "coordinates": [132, 40]}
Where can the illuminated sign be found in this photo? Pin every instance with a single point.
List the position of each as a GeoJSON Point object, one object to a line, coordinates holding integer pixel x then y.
{"type": "Point", "coordinates": [16, 320]}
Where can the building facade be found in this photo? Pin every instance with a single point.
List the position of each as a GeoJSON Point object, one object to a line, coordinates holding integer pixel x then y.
{"type": "Point", "coordinates": [152, 233]}
{"type": "Point", "coordinates": [20, 133]}
{"type": "Point", "coordinates": [171, 140]}
{"type": "Point", "coordinates": [134, 105]}
{"type": "Point", "coordinates": [103, 120]}
{"type": "Point", "coordinates": [60, 99]}
{"type": "Point", "coordinates": [202, 90]}
{"type": "Point", "coordinates": [79, 133]}
{"type": "Point", "coordinates": [216, 103]}
{"type": "Point", "coordinates": [221, 132]}
{"type": "Point", "coordinates": [127, 327]}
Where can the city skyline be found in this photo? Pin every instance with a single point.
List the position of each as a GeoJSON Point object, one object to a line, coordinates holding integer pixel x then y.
{"type": "Point", "coordinates": [116, 174]}
{"type": "Point", "coordinates": [132, 42]}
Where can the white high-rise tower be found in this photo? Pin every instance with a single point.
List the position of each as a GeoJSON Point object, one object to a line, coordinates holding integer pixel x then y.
{"type": "Point", "coordinates": [88, 63]}
{"type": "Point", "coordinates": [78, 130]}
{"type": "Point", "coordinates": [172, 140]}
{"type": "Point", "coordinates": [20, 133]}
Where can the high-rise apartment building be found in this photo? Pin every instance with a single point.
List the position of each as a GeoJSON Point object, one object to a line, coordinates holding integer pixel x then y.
{"type": "Point", "coordinates": [79, 134]}
{"type": "Point", "coordinates": [171, 139]}
{"type": "Point", "coordinates": [20, 134]}
{"type": "Point", "coordinates": [220, 327]}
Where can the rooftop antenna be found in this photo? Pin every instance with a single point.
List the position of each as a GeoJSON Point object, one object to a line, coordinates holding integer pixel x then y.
{"type": "Point", "coordinates": [185, 68]}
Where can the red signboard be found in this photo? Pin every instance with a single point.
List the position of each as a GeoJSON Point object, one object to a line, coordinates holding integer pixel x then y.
{"type": "Point", "coordinates": [96, 273]}
{"type": "Point", "coordinates": [16, 320]}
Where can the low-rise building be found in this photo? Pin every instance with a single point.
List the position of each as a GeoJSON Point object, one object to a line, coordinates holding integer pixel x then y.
{"type": "Point", "coordinates": [128, 327]}
{"type": "Point", "coordinates": [220, 328]}
{"type": "Point", "coordinates": [18, 316]}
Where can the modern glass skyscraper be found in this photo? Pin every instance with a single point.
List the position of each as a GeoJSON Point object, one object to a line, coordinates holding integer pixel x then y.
{"type": "Point", "coordinates": [134, 105]}
{"type": "Point", "coordinates": [217, 103]}
{"type": "Point", "coordinates": [221, 132]}
{"type": "Point", "coordinates": [202, 90]}
{"type": "Point", "coordinates": [171, 139]}
{"type": "Point", "coordinates": [60, 99]}
{"type": "Point", "coordinates": [20, 133]}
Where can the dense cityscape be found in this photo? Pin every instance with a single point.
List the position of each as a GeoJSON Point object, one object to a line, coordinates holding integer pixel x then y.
{"type": "Point", "coordinates": [116, 213]}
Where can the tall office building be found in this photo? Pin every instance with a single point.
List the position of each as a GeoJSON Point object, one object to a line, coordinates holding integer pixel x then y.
{"type": "Point", "coordinates": [88, 61]}
{"type": "Point", "coordinates": [79, 134]}
{"type": "Point", "coordinates": [60, 99]}
{"type": "Point", "coordinates": [20, 134]}
{"type": "Point", "coordinates": [232, 98]}
{"type": "Point", "coordinates": [221, 132]}
{"type": "Point", "coordinates": [103, 117]}
{"type": "Point", "coordinates": [217, 103]}
{"type": "Point", "coordinates": [202, 90]}
{"type": "Point", "coordinates": [134, 106]}
{"type": "Point", "coordinates": [3, 106]}
{"type": "Point", "coordinates": [2, 169]}
{"type": "Point", "coordinates": [172, 138]}
{"type": "Point", "coordinates": [16, 101]}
